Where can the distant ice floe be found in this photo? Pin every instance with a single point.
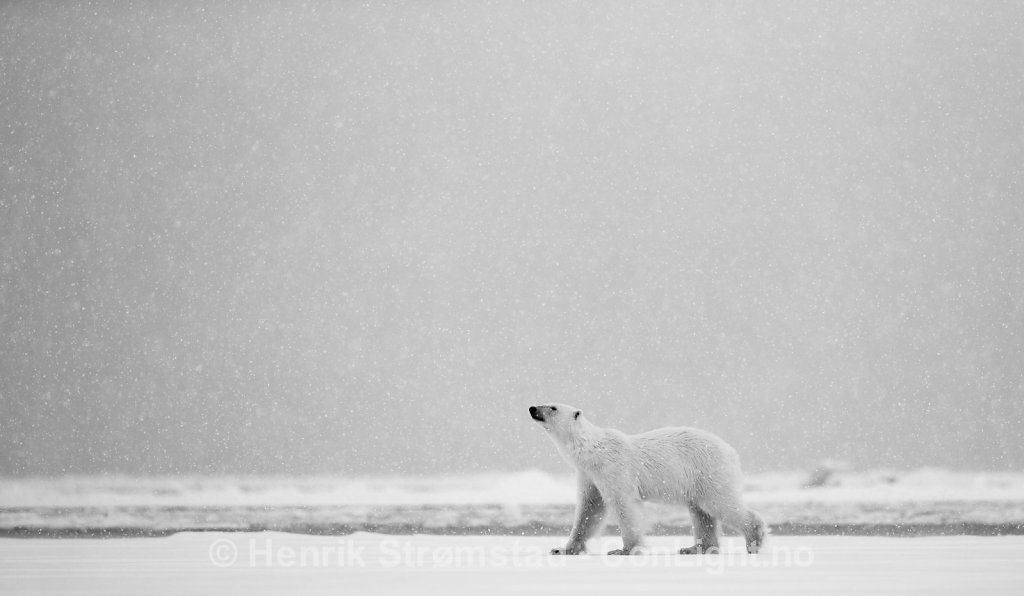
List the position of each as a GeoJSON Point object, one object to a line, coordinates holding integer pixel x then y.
{"type": "Point", "coordinates": [524, 487]}
{"type": "Point", "coordinates": [528, 502]}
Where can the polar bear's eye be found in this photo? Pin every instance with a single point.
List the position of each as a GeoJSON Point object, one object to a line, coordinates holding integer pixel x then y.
{"type": "Point", "coordinates": [554, 409]}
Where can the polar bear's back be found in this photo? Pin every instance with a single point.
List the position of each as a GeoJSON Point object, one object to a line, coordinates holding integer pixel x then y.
{"type": "Point", "coordinates": [683, 464]}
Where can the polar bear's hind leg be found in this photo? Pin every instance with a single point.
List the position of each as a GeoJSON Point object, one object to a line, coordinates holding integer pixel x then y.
{"type": "Point", "coordinates": [705, 533]}
{"type": "Point", "coordinates": [754, 531]}
{"type": "Point", "coordinates": [747, 521]}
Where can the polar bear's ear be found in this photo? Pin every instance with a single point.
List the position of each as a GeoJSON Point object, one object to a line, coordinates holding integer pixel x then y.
{"type": "Point", "coordinates": [576, 415]}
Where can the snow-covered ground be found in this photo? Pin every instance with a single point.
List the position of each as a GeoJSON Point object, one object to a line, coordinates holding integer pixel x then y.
{"type": "Point", "coordinates": [272, 563]}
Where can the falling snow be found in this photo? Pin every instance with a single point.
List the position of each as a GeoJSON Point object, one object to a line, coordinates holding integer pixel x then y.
{"type": "Point", "coordinates": [284, 238]}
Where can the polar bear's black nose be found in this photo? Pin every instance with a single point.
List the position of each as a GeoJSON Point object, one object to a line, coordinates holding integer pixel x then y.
{"type": "Point", "coordinates": [535, 414]}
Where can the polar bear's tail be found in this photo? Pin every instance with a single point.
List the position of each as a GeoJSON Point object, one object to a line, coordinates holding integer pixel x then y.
{"type": "Point", "coordinates": [754, 530]}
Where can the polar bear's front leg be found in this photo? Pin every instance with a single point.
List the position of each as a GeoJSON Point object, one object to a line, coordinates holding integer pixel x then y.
{"type": "Point", "coordinates": [631, 526]}
{"type": "Point", "coordinates": [590, 513]}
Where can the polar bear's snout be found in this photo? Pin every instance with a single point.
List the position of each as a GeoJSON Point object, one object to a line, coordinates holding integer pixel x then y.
{"type": "Point", "coordinates": [548, 414]}
{"type": "Point", "coordinates": [536, 413]}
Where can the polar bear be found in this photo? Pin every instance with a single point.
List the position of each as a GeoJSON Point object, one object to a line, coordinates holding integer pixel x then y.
{"type": "Point", "coordinates": [618, 472]}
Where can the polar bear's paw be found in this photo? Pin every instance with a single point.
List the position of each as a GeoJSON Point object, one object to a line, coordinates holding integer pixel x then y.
{"type": "Point", "coordinates": [699, 549]}
{"type": "Point", "coordinates": [572, 549]}
{"type": "Point", "coordinates": [636, 550]}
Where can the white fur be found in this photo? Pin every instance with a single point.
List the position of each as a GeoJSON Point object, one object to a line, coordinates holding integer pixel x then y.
{"type": "Point", "coordinates": [618, 472]}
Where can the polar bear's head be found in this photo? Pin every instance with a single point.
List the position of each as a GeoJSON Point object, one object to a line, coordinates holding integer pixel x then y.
{"type": "Point", "coordinates": [559, 420]}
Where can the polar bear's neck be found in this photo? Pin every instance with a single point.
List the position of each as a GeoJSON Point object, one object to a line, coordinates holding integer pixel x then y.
{"type": "Point", "coordinates": [586, 446]}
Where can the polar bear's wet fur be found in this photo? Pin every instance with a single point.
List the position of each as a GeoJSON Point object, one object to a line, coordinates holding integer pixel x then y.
{"type": "Point", "coordinates": [618, 472]}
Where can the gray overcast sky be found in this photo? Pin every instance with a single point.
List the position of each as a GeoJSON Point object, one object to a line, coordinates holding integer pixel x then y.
{"type": "Point", "coordinates": [265, 237]}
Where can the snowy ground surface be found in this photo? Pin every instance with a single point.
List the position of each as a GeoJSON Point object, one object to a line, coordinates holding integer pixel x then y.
{"type": "Point", "coordinates": [273, 563]}
{"type": "Point", "coordinates": [909, 503]}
